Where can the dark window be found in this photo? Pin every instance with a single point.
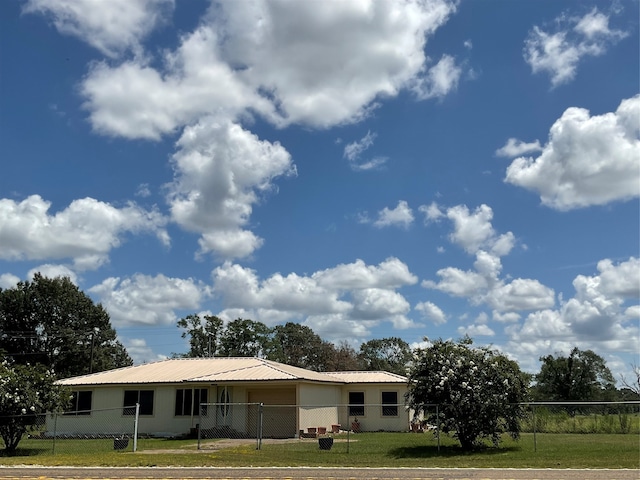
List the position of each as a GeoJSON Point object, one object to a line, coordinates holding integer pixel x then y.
{"type": "Point", "coordinates": [188, 400]}
{"type": "Point", "coordinates": [389, 404]}
{"type": "Point", "coordinates": [80, 403]}
{"type": "Point", "coordinates": [143, 397]}
{"type": "Point", "coordinates": [356, 404]}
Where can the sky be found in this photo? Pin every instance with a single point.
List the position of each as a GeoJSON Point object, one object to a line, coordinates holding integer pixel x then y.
{"type": "Point", "coordinates": [370, 169]}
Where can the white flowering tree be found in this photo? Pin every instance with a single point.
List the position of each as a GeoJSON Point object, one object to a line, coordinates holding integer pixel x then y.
{"type": "Point", "coordinates": [478, 391]}
{"type": "Point", "coordinates": [25, 392]}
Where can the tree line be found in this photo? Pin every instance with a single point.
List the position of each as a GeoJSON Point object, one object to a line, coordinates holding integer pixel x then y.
{"type": "Point", "coordinates": [292, 343]}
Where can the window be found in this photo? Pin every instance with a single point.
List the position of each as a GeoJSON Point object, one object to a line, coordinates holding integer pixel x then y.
{"type": "Point", "coordinates": [80, 403]}
{"type": "Point", "coordinates": [143, 397]}
{"type": "Point", "coordinates": [389, 404]}
{"type": "Point", "coordinates": [188, 400]}
{"type": "Point", "coordinates": [356, 404]}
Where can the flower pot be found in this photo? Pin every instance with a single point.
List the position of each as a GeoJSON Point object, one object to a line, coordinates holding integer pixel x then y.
{"type": "Point", "coordinates": [325, 443]}
{"type": "Point", "coordinates": [335, 428]}
{"type": "Point", "coordinates": [355, 427]}
{"type": "Point", "coordinates": [120, 443]}
{"type": "Point", "coordinates": [322, 430]}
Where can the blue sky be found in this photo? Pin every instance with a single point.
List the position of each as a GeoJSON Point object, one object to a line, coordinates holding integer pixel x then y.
{"type": "Point", "coordinates": [366, 168]}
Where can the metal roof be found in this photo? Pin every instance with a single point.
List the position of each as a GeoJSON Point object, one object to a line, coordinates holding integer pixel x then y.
{"type": "Point", "coordinates": [222, 369]}
{"type": "Point", "coordinates": [368, 377]}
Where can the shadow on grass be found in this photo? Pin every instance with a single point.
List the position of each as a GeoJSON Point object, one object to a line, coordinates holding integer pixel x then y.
{"type": "Point", "coordinates": [431, 451]}
{"type": "Point", "coordinates": [25, 452]}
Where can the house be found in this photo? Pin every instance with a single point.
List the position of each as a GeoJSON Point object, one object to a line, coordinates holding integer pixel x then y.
{"type": "Point", "coordinates": [176, 395]}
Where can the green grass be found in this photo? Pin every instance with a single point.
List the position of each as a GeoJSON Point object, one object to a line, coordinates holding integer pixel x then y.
{"type": "Point", "coordinates": [364, 450]}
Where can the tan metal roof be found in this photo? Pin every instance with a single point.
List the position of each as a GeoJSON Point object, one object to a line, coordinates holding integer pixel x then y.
{"type": "Point", "coordinates": [201, 370]}
{"type": "Point", "coordinates": [368, 377]}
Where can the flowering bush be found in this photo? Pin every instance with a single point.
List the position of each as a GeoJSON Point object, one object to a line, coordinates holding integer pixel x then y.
{"type": "Point", "coordinates": [25, 392]}
{"type": "Point", "coordinates": [477, 391]}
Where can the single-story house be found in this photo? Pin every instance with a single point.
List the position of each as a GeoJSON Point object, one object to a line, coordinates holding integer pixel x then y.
{"type": "Point", "coordinates": [171, 394]}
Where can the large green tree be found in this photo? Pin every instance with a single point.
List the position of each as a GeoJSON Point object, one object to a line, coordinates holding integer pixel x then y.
{"type": "Point", "coordinates": [390, 354]}
{"type": "Point", "coordinates": [52, 322]}
{"type": "Point", "coordinates": [204, 334]}
{"type": "Point", "coordinates": [245, 338]}
{"type": "Point", "coordinates": [298, 345]}
{"type": "Point", "coordinates": [26, 391]}
{"type": "Point", "coordinates": [581, 376]}
{"type": "Point", "coordinates": [478, 391]}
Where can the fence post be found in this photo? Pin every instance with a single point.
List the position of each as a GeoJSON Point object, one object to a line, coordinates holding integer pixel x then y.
{"type": "Point", "coordinates": [438, 425]}
{"type": "Point", "coordinates": [535, 440]}
{"type": "Point", "coordinates": [135, 428]}
{"type": "Point", "coordinates": [260, 417]}
{"type": "Point", "coordinates": [55, 428]}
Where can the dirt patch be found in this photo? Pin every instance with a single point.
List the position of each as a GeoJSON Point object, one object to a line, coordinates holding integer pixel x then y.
{"type": "Point", "coordinates": [208, 447]}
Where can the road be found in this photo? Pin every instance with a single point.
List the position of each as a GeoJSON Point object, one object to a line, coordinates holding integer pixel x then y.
{"type": "Point", "coordinates": [159, 473]}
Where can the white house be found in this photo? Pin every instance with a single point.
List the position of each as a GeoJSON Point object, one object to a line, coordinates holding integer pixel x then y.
{"type": "Point", "coordinates": [170, 394]}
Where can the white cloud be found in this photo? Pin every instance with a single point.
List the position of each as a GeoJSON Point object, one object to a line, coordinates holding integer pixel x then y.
{"type": "Point", "coordinates": [8, 280]}
{"type": "Point", "coordinates": [520, 294]}
{"type": "Point", "coordinates": [481, 330]}
{"type": "Point", "coordinates": [431, 312]}
{"type": "Point", "coordinates": [147, 300]}
{"type": "Point", "coordinates": [111, 26]}
{"type": "Point", "coordinates": [432, 212]}
{"type": "Point", "coordinates": [596, 314]}
{"type": "Point", "coordinates": [515, 148]}
{"type": "Point", "coordinates": [508, 317]}
{"type": "Point", "coordinates": [353, 151]}
{"type": "Point", "coordinates": [139, 351]}
{"type": "Point", "coordinates": [559, 53]}
{"type": "Point", "coordinates": [85, 231]}
{"type": "Point", "coordinates": [439, 80]}
{"type": "Point", "coordinates": [589, 160]}
{"type": "Point", "coordinates": [313, 63]}
{"type": "Point", "coordinates": [473, 230]}
{"type": "Point", "coordinates": [221, 170]}
{"type": "Point", "coordinates": [401, 216]}
{"type": "Point", "coordinates": [354, 293]}
{"type": "Point", "coordinates": [53, 271]}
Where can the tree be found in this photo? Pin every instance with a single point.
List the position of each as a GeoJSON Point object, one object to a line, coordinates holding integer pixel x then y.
{"type": "Point", "coordinates": [632, 386]}
{"type": "Point", "coordinates": [50, 321]}
{"type": "Point", "coordinates": [478, 391]}
{"type": "Point", "coordinates": [203, 337]}
{"type": "Point", "coordinates": [582, 376]}
{"type": "Point", "coordinates": [300, 346]}
{"type": "Point", "coordinates": [389, 354]}
{"type": "Point", "coordinates": [25, 392]}
{"type": "Point", "coordinates": [344, 358]}
{"type": "Point", "coordinates": [245, 338]}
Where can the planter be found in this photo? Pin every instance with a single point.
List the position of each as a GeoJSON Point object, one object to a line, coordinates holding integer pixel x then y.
{"type": "Point", "coordinates": [355, 427]}
{"type": "Point", "coordinates": [325, 443]}
{"type": "Point", "coordinates": [120, 443]}
{"type": "Point", "coordinates": [322, 430]}
{"type": "Point", "coordinates": [335, 428]}
{"type": "Point", "coordinates": [312, 429]}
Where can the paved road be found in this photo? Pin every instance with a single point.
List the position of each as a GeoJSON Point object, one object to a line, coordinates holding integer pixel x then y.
{"type": "Point", "coordinates": [96, 473]}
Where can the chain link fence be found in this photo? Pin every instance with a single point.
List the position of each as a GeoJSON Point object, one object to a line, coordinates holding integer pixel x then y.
{"type": "Point", "coordinates": [325, 426]}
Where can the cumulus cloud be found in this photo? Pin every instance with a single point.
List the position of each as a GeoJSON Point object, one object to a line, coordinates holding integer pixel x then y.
{"type": "Point", "coordinates": [52, 271]}
{"type": "Point", "coordinates": [483, 284]}
{"type": "Point", "coordinates": [432, 212]}
{"type": "Point", "coordinates": [111, 26]}
{"type": "Point", "coordinates": [431, 312]}
{"type": "Point", "coordinates": [146, 300]}
{"type": "Point", "coordinates": [589, 160]}
{"type": "Point", "coordinates": [596, 314]}
{"type": "Point", "coordinates": [139, 351]}
{"type": "Point", "coordinates": [85, 231]}
{"type": "Point", "coordinates": [221, 170]}
{"type": "Point", "coordinates": [401, 216]}
{"type": "Point", "coordinates": [515, 148]}
{"type": "Point", "coordinates": [354, 293]}
{"type": "Point", "coordinates": [8, 280]}
{"type": "Point", "coordinates": [476, 330]}
{"type": "Point", "coordinates": [559, 53]}
{"type": "Point", "coordinates": [473, 230]}
{"type": "Point", "coordinates": [313, 63]}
